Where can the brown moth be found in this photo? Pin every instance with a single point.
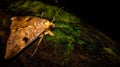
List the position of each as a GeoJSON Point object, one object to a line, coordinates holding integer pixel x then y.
{"type": "Point", "coordinates": [25, 30]}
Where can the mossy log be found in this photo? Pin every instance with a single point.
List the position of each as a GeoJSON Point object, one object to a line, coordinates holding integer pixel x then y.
{"type": "Point", "coordinates": [74, 44]}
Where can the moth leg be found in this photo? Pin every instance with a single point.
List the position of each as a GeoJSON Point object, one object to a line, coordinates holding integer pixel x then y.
{"type": "Point", "coordinates": [49, 32]}
{"type": "Point", "coordinates": [41, 37]}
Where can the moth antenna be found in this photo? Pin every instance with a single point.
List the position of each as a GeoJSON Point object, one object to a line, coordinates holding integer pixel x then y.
{"type": "Point", "coordinates": [56, 14]}
{"type": "Point", "coordinates": [41, 37]}
{"type": "Point", "coordinates": [59, 26]}
{"type": "Point", "coordinates": [41, 14]}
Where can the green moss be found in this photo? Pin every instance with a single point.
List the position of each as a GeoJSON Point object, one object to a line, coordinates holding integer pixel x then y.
{"type": "Point", "coordinates": [68, 29]}
{"type": "Point", "coordinates": [111, 55]}
{"type": "Point", "coordinates": [109, 51]}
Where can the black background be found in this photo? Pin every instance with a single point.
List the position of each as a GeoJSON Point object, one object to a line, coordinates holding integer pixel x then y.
{"type": "Point", "coordinates": [104, 15]}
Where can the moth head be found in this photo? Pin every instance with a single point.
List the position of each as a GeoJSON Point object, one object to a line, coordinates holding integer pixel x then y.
{"type": "Point", "coordinates": [49, 25]}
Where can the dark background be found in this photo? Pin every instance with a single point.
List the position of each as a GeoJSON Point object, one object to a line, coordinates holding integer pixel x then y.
{"type": "Point", "coordinates": [104, 15]}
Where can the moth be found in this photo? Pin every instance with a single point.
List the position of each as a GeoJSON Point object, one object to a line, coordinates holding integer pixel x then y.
{"type": "Point", "coordinates": [24, 30]}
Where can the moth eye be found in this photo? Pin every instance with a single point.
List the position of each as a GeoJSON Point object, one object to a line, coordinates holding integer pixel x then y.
{"type": "Point", "coordinates": [25, 39]}
{"type": "Point", "coordinates": [52, 25]}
